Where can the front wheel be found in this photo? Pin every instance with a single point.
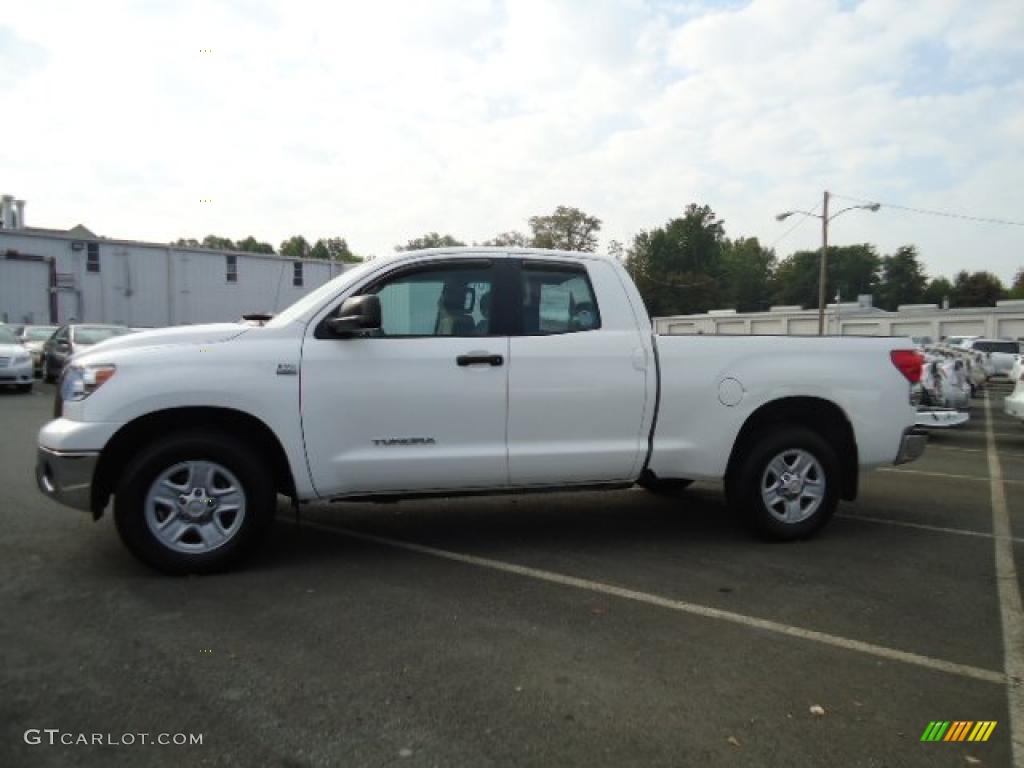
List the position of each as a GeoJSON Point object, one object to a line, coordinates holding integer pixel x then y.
{"type": "Point", "coordinates": [196, 502]}
{"type": "Point", "coordinates": [788, 483]}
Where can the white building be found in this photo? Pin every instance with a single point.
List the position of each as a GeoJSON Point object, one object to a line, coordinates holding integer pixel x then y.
{"type": "Point", "coordinates": [1005, 320]}
{"type": "Point", "coordinates": [54, 276]}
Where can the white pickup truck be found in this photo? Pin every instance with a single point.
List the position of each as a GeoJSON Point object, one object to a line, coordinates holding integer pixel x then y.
{"type": "Point", "coordinates": [462, 371]}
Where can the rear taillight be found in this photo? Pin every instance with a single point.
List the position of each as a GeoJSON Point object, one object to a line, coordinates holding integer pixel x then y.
{"type": "Point", "coordinates": [908, 362]}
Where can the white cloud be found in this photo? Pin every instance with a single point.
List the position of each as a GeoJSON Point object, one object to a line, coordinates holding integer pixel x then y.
{"type": "Point", "coordinates": [381, 121]}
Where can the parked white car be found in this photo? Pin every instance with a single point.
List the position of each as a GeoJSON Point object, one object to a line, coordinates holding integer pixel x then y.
{"type": "Point", "coordinates": [1013, 405]}
{"type": "Point", "coordinates": [15, 361]}
{"type": "Point", "coordinates": [457, 371]}
{"type": "Point", "coordinates": [1001, 353]}
{"type": "Point", "coordinates": [957, 341]}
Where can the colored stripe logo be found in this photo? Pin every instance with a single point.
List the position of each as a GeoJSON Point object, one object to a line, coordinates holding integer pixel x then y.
{"type": "Point", "coordinates": [958, 730]}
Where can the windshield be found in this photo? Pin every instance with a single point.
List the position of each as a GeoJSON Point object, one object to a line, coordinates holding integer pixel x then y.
{"type": "Point", "coordinates": [39, 332]}
{"type": "Point", "coordinates": [313, 299]}
{"type": "Point", "coordinates": [87, 335]}
{"type": "Point", "coordinates": [7, 336]}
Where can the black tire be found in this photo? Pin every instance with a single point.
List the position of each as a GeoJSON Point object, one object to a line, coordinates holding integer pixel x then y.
{"type": "Point", "coordinates": [253, 475]}
{"type": "Point", "coordinates": [25, 388]}
{"type": "Point", "coordinates": [745, 492]}
{"type": "Point", "coordinates": [48, 375]}
{"type": "Point", "coordinates": [664, 486]}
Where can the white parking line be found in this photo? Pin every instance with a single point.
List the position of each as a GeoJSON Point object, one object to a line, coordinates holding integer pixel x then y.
{"type": "Point", "coordinates": [1002, 454]}
{"type": "Point", "coordinates": [923, 526]}
{"type": "Point", "coordinates": [948, 475]}
{"type": "Point", "coordinates": [681, 606]}
{"type": "Point", "coordinates": [1009, 595]}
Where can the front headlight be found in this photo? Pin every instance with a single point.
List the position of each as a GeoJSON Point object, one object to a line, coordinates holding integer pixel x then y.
{"type": "Point", "coordinates": [80, 381]}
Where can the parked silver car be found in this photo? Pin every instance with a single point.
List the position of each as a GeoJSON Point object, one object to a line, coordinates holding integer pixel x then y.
{"type": "Point", "coordinates": [73, 338]}
{"type": "Point", "coordinates": [15, 361]}
{"type": "Point", "coordinates": [34, 337]}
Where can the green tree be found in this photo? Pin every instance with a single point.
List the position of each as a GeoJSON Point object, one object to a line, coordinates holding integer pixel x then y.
{"type": "Point", "coordinates": [851, 270]}
{"type": "Point", "coordinates": [218, 243]}
{"type": "Point", "coordinates": [187, 242]}
{"type": "Point", "coordinates": [976, 289]}
{"type": "Point", "coordinates": [678, 268]}
{"type": "Point", "coordinates": [938, 290]}
{"type": "Point", "coordinates": [567, 229]}
{"type": "Point", "coordinates": [334, 249]}
{"type": "Point", "coordinates": [297, 247]}
{"type": "Point", "coordinates": [430, 240]}
{"type": "Point", "coordinates": [252, 245]}
{"type": "Point", "coordinates": [510, 239]}
{"type": "Point", "coordinates": [746, 274]}
{"type": "Point", "coordinates": [903, 279]}
{"type": "Point", "coordinates": [1017, 290]}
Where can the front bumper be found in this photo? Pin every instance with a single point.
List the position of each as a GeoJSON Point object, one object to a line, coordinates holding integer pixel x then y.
{"type": "Point", "coordinates": [66, 476]}
{"type": "Point", "coordinates": [17, 374]}
{"type": "Point", "coordinates": [911, 446]}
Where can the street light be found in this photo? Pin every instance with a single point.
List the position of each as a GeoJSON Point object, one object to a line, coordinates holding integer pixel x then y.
{"type": "Point", "coordinates": [825, 219]}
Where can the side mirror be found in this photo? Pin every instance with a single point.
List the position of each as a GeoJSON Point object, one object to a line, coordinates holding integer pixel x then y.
{"type": "Point", "coordinates": [357, 313]}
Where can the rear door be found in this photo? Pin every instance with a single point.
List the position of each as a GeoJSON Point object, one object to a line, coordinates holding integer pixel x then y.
{"type": "Point", "coordinates": [578, 377]}
{"type": "Point", "coordinates": [421, 405]}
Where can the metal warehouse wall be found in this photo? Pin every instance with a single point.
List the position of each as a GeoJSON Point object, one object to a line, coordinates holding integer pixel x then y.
{"type": "Point", "coordinates": [24, 291]}
{"type": "Point", "coordinates": [144, 284]}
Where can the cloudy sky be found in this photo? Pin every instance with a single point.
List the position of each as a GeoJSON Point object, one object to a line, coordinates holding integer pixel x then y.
{"type": "Point", "coordinates": [381, 120]}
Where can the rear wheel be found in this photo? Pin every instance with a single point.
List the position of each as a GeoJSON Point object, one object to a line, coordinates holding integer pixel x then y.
{"type": "Point", "coordinates": [787, 486]}
{"type": "Point", "coordinates": [196, 502]}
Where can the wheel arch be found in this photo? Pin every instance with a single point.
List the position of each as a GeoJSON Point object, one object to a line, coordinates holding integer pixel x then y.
{"type": "Point", "coordinates": [132, 436]}
{"type": "Point", "coordinates": [815, 413]}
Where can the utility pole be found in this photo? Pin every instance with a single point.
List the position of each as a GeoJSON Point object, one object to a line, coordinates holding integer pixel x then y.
{"type": "Point", "coordinates": [822, 266]}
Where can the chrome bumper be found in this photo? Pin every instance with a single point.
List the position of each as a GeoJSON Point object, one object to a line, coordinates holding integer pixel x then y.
{"type": "Point", "coordinates": [911, 446]}
{"type": "Point", "coordinates": [67, 477]}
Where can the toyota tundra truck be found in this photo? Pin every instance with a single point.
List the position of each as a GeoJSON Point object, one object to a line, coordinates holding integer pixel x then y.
{"type": "Point", "coordinates": [457, 372]}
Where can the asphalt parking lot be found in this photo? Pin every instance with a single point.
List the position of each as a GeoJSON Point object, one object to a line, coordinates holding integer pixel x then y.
{"type": "Point", "coordinates": [596, 629]}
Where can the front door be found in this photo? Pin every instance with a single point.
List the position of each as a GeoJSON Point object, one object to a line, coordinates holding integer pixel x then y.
{"type": "Point", "coordinates": [420, 405]}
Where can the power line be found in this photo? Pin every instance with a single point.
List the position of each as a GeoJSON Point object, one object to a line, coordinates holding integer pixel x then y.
{"type": "Point", "coordinates": [929, 212]}
{"type": "Point", "coordinates": [796, 224]}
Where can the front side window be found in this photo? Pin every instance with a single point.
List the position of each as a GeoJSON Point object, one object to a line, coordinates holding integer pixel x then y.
{"type": "Point", "coordinates": [92, 257]}
{"type": "Point", "coordinates": [557, 298]}
{"type": "Point", "coordinates": [440, 301]}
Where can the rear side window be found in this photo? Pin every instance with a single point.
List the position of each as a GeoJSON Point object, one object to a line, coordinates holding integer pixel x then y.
{"type": "Point", "coordinates": [1010, 347]}
{"type": "Point", "coordinates": [557, 298]}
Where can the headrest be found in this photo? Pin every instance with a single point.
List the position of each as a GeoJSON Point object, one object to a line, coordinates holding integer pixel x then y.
{"type": "Point", "coordinates": [453, 298]}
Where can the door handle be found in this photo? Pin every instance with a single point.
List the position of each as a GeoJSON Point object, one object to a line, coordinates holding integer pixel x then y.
{"type": "Point", "coordinates": [464, 360]}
